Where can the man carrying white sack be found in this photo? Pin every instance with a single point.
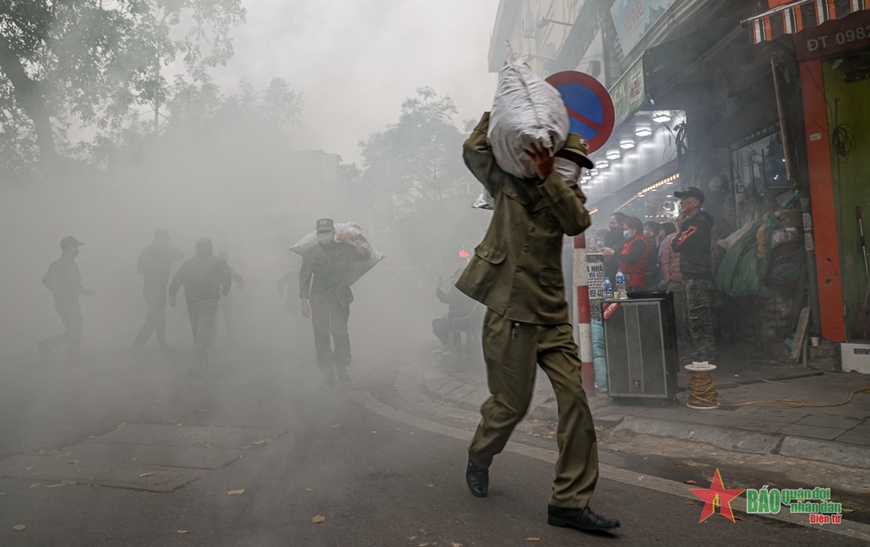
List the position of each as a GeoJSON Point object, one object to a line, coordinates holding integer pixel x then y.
{"type": "Point", "coordinates": [516, 272]}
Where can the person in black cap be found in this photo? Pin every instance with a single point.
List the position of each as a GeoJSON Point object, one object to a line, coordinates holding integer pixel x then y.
{"type": "Point", "coordinates": [693, 242]}
{"type": "Point", "coordinates": [205, 278]}
{"type": "Point", "coordinates": [155, 265]}
{"type": "Point", "coordinates": [65, 282]}
{"type": "Point", "coordinates": [326, 299]}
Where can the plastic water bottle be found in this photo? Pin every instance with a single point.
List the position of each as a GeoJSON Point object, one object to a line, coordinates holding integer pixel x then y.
{"type": "Point", "coordinates": [620, 285]}
{"type": "Point", "coordinates": [608, 289]}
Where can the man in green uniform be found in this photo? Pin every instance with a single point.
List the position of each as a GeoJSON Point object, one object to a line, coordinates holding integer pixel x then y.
{"type": "Point", "coordinates": [516, 272]}
{"type": "Point", "coordinates": [326, 299]}
{"type": "Point", "coordinates": [65, 283]}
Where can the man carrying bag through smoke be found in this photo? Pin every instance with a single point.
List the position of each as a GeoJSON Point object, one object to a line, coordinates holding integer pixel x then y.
{"type": "Point", "coordinates": [325, 277]}
{"type": "Point", "coordinates": [516, 273]}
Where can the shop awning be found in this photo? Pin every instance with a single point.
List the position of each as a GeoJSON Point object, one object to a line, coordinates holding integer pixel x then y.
{"type": "Point", "coordinates": [796, 16]}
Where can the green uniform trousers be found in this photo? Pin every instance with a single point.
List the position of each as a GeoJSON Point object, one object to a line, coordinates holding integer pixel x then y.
{"type": "Point", "coordinates": [330, 318]}
{"type": "Point", "coordinates": [511, 350]}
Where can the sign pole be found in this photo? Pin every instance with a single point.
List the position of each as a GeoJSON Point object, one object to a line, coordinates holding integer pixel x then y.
{"type": "Point", "coordinates": [584, 319]}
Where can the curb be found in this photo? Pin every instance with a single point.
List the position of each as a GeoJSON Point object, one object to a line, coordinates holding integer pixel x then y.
{"type": "Point", "coordinates": [446, 388]}
{"type": "Point", "coordinates": [840, 453]}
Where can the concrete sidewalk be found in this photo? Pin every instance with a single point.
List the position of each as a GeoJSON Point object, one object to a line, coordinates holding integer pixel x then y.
{"type": "Point", "coordinates": [833, 434]}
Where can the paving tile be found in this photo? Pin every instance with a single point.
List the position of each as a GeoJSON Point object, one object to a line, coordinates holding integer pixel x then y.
{"type": "Point", "coordinates": [833, 422]}
{"type": "Point", "coordinates": [754, 424]}
{"type": "Point", "coordinates": [856, 436]}
{"type": "Point", "coordinates": [444, 390]}
{"type": "Point", "coordinates": [131, 476]}
{"type": "Point", "coordinates": [812, 432]}
{"type": "Point", "coordinates": [457, 395]}
{"type": "Point", "coordinates": [708, 418]}
{"type": "Point", "coordinates": [187, 435]}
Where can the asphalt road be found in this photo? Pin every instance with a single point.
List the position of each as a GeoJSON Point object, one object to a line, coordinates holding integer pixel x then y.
{"type": "Point", "coordinates": [377, 480]}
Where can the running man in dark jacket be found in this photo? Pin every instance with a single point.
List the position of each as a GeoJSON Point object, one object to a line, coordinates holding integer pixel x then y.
{"type": "Point", "coordinates": [65, 282]}
{"type": "Point", "coordinates": [205, 278]}
{"type": "Point", "coordinates": [155, 265]}
{"type": "Point", "coordinates": [693, 242]}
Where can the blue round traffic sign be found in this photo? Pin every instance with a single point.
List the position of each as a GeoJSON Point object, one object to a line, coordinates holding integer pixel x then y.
{"type": "Point", "coordinates": [590, 108]}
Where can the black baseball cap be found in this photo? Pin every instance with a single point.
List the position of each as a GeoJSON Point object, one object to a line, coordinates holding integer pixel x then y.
{"type": "Point", "coordinates": [69, 241]}
{"type": "Point", "coordinates": [325, 225]}
{"type": "Point", "coordinates": [691, 192]}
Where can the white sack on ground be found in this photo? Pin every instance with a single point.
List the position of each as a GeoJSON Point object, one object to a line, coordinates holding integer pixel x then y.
{"type": "Point", "coordinates": [309, 241]}
{"type": "Point", "coordinates": [526, 110]}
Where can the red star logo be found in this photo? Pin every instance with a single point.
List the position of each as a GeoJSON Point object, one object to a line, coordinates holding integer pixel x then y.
{"type": "Point", "coordinates": [717, 496]}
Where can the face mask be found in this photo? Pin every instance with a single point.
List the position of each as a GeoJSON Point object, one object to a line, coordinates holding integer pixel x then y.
{"type": "Point", "coordinates": [626, 234]}
{"type": "Point", "coordinates": [324, 238]}
{"type": "Point", "coordinates": [568, 170]}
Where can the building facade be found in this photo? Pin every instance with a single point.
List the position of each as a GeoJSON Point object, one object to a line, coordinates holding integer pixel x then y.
{"type": "Point", "coordinates": [758, 103]}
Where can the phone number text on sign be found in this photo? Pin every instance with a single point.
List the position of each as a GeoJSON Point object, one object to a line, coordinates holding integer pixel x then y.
{"type": "Point", "coordinates": [596, 280]}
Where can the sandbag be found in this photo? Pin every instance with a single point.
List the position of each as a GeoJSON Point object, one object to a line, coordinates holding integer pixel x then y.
{"type": "Point", "coordinates": [309, 242]}
{"type": "Point", "coordinates": [526, 110]}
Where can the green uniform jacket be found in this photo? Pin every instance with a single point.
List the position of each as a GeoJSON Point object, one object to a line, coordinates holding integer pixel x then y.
{"type": "Point", "coordinates": [517, 270]}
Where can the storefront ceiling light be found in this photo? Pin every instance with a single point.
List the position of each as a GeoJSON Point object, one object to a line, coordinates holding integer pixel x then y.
{"type": "Point", "coordinates": [626, 144]}
{"type": "Point", "coordinates": [593, 172]}
{"type": "Point", "coordinates": [643, 132]}
{"type": "Point", "coordinates": [661, 117]}
{"type": "Point", "coordinates": [613, 154]}
{"type": "Point", "coordinates": [602, 164]}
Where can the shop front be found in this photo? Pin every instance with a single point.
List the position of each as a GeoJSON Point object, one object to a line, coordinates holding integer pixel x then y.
{"type": "Point", "coordinates": [831, 40]}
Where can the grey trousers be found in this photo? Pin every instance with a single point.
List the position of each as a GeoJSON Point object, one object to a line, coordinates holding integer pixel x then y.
{"type": "Point", "coordinates": [71, 317]}
{"type": "Point", "coordinates": [155, 320]}
{"type": "Point", "coordinates": [330, 319]}
{"type": "Point", "coordinates": [202, 319]}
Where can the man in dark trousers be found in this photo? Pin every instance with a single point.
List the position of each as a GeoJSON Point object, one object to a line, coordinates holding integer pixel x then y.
{"type": "Point", "coordinates": [458, 305]}
{"type": "Point", "coordinates": [326, 299]}
{"type": "Point", "coordinates": [516, 272]}
{"type": "Point", "coordinates": [65, 282]}
{"type": "Point", "coordinates": [693, 242]}
{"type": "Point", "coordinates": [205, 278]}
{"type": "Point", "coordinates": [155, 265]}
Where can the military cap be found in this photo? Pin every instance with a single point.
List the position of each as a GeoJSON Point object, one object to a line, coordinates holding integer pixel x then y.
{"type": "Point", "coordinates": [69, 241]}
{"type": "Point", "coordinates": [576, 150]}
{"type": "Point", "coordinates": [325, 225]}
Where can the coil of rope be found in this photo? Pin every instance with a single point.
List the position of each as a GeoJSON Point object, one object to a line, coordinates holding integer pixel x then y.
{"type": "Point", "coordinates": [702, 389]}
{"type": "Point", "coordinates": [703, 394]}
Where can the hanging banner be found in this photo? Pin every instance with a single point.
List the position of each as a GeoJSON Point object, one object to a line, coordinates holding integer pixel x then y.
{"type": "Point", "coordinates": [629, 93]}
{"type": "Point", "coordinates": [633, 18]}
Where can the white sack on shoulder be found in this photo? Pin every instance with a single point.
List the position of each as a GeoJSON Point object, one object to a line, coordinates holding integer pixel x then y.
{"type": "Point", "coordinates": [526, 110]}
{"type": "Point", "coordinates": [309, 241]}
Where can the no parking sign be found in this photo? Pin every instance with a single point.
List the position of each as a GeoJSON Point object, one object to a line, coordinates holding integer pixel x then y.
{"type": "Point", "coordinates": [590, 108]}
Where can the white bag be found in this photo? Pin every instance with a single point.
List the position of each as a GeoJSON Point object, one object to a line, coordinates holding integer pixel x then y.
{"type": "Point", "coordinates": [309, 242]}
{"type": "Point", "coordinates": [526, 110]}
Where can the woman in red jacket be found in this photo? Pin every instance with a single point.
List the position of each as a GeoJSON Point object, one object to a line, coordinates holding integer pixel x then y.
{"type": "Point", "coordinates": [635, 254]}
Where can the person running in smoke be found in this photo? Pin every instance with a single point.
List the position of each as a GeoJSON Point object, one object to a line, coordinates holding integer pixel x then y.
{"type": "Point", "coordinates": [458, 304]}
{"type": "Point", "coordinates": [516, 272]}
{"type": "Point", "coordinates": [225, 308]}
{"type": "Point", "coordinates": [205, 278]}
{"type": "Point", "coordinates": [326, 299]}
{"type": "Point", "coordinates": [155, 265]}
{"type": "Point", "coordinates": [64, 281]}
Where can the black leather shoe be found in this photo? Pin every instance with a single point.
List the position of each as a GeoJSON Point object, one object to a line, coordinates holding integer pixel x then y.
{"type": "Point", "coordinates": [579, 519]}
{"type": "Point", "coordinates": [477, 479]}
